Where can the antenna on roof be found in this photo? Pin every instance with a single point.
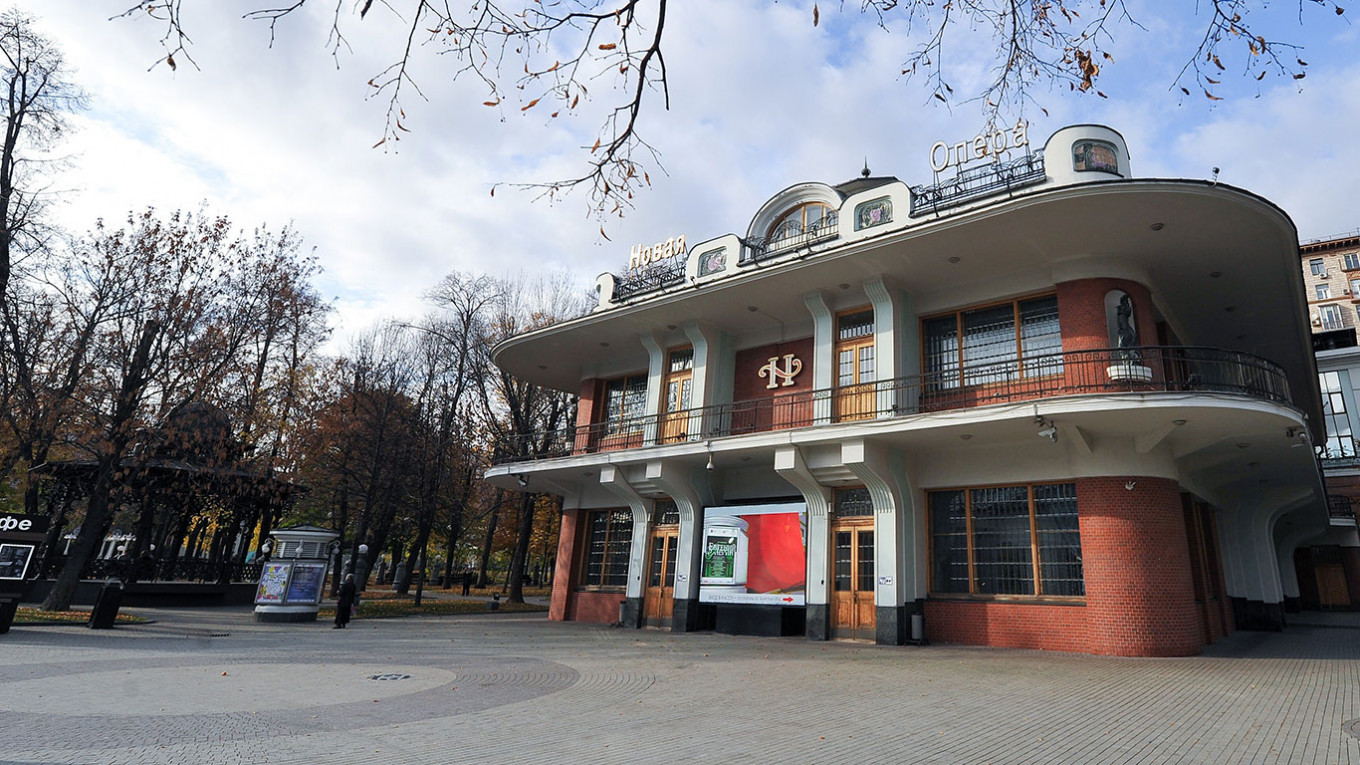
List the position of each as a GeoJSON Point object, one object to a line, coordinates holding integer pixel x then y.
{"type": "Point", "coordinates": [865, 171]}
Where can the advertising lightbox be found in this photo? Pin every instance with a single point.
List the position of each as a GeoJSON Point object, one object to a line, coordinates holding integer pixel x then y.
{"type": "Point", "coordinates": [755, 554]}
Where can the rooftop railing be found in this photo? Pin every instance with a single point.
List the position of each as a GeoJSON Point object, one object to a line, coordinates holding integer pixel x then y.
{"type": "Point", "coordinates": [791, 235]}
{"type": "Point", "coordinates": [976, 182]}
{"type": "Point", "coordinates": [1142, 370]}
{"type": "Point", "coordinates": [641, 281]}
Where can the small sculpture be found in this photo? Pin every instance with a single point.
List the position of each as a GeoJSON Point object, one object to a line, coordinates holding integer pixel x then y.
{"type": "Point", "coordinates": [1126, 334]}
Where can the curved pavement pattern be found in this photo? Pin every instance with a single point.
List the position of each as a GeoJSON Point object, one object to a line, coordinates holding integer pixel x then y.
{"type": "Point", "coordinates": [213, 686]}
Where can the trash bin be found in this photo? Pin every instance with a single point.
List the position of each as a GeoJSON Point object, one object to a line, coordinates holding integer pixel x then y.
{"type": "Point", "coordinates": [106, 605]}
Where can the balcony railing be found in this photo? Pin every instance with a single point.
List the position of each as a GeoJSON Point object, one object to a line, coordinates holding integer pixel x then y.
{"type": "Point", "coordinates": [1340, 508]}
{"type": "Point", "coordinates": [1145, 370]}
{"type": "Point", "coordinates": [791, 235]}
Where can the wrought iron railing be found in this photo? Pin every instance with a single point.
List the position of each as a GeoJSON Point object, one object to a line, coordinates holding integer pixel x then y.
{"type": "Point", "coordinates": [643, 280]}
{"type": "Point", "coordinates": [1142, 370]}
{"type": "Point", "coordinates": [790, 236]}
{"type": "Point", "coordinates": [178, 570]}
{"type": "Point", "coordinates": [976, 182]}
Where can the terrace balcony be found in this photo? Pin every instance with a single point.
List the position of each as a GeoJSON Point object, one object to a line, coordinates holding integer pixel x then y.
{"type": "Point", "coordinates": [1147, 370]}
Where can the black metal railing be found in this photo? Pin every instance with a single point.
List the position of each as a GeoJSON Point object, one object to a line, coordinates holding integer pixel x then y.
{"type": "Point", "coordinates": [1142, 370]}
{"type": "Point", "coordinates": [791, 235]}
{"type": "Point", "coordinates": [640, 281]}
{"type": "Point", "coordinates": [178, 570]}
{"type": "Point", "coordinates": [977, 182]}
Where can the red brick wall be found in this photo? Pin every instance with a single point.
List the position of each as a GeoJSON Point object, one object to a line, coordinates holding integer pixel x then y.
{"type": "Point", "coordinates": [1081, 313]}
{"type": "Point", "coordinates": [585, 407]}
{"type": "Point", "coordinates": [1139, 591]}
{"type": "Point", "coordinates": [598, 607]}
{"type": "Point", "coordinates": [568, 603]}
{"type": "Point", "coordinates": [1007, 625]}
{"type": "Point", "coordinates": [562, 571]}
{"type": "Point", "coordinates": [750, 385]}
{"type": "Point", "coordinates": [781, 407]}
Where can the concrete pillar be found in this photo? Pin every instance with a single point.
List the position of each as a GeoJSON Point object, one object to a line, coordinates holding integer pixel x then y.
{"type": "Point", "coordinates": [899, 538]}
{"type": "Point", "coordinates": [612, 478]}
{"type": "Point", "coordinates": [790, 465]}
{"type": "Point", "coordinates": [823, 357]}
{"type": "Point", "coordinates": [689, 488]}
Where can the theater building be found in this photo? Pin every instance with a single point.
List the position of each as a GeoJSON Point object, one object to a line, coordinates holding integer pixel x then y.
{"type": "Point", "coordinates": [1038, 402]}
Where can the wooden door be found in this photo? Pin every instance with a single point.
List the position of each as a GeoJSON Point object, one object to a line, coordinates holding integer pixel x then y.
{"type": "Point", "coordinates": [854, 398]}
{"type": "Point", "coordinates": [852, 593]}
{"type": "Point", "coordinates": [658, 600]}
{"type": "Point", "coordinates": [678, 390]}
{"type": "Point", "coordinates": [1332, 589]}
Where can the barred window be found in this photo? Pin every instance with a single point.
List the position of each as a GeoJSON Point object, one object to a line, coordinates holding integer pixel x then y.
{"type": "Point", "coordinates": [981, 345]}
{"type": "Point", "coordinates": [624, 400]}
{"type": "Point", "coordinates": [1007, 540]}
{"type": "Point", "coordinates": [610, 538]}
{"type": "Point", "coordinates": [850, 503]}
{"type": "Point", "coordinates": [665, 513]}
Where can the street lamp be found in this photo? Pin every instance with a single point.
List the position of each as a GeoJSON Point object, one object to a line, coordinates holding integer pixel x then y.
{"type": "Point", "coordinates": [361, 568]}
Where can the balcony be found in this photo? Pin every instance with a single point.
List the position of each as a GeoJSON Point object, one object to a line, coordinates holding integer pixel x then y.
{"type": "Point", "coordinates": [1146, 370]}
{"type": "Point", "coordinates": [978, 182]}
{"type": "Point", "coordinates": [791, 235]}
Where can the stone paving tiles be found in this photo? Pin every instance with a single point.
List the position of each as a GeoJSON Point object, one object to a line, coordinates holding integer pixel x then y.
{"type": "Point", "coordinates": [213, 686]}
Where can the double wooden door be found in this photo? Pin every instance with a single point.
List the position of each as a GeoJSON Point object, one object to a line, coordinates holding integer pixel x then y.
{"type": "Point", "coordinates": [679, 394]}
{"type": "Point", "coordinates": [852, 592]}
{"type": "Point", "coordinates": [658, 600]}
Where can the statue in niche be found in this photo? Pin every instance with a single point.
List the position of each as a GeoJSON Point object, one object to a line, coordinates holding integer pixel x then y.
{"type": "Point", "coordinates": [1126, 333]}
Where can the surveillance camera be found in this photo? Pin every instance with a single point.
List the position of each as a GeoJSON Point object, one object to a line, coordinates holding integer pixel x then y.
{"type": "Point", "coordinates": [1050, 432]}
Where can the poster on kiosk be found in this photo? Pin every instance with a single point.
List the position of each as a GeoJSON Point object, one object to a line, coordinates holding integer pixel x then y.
{"type": "Point", "coordinates": [755, 554]}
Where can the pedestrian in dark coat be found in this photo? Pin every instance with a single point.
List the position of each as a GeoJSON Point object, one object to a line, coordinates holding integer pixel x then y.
{"type": "Point", "coordinates": [345, 604]}
{"type": "Point", "coordinates": [467, 581]}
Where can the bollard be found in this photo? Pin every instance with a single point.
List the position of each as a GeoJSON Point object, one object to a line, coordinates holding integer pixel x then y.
{"type": "Point", "coordinates": [495, 603]}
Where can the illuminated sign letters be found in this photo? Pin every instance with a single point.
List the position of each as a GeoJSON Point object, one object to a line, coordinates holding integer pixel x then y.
{"type": "Point", "coordinates": [641, 256]}
{"type": "Point", "coordinates": [943, 155]}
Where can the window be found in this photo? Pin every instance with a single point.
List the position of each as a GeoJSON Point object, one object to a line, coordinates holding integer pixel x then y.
{"type": "Point", "coordinates": [1006, 541]}
{"type": "Point", "coordinates": [1323, 291]}
{"type": "Point", "coordinates": [1351, 260]}
{"type": "Point", "coordinates": [809, 218]}
{"type": "Point", "coordinates": [624, 400]}
{"type": "Point", "coordinates": [1331, 317]}
{"type": "Point", "coordinates": [610, 538]}
{"type": "Point", "coordinates": [851, 503]}
{"type": "Point", "coordinates": [1355, 288]}
{"type": "Point", "coordinates": [1315, 265]}
{"type": "Point", "coordinates": [982, 345]}
{"type": "Point", "coordinates": [1340, 442]}
{"type": "Point", "coordinates": [665, 513]}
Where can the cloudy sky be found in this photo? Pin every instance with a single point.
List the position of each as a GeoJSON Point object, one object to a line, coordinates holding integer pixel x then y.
{"type": "Point", "coordinates": [759, 99]}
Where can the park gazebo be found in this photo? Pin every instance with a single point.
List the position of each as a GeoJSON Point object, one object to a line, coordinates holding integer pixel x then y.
{"type": "Point", "coordinates": [191, 498]}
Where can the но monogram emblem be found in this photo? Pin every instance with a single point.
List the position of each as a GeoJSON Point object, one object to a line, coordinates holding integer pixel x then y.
{"type": "Point", "coordinates": [791, 369]}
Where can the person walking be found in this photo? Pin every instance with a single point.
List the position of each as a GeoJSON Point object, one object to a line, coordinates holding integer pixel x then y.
{"type": "Point", "coordinates": [345, 603]}
{"type": "Point", "coordinates": [467, 580]}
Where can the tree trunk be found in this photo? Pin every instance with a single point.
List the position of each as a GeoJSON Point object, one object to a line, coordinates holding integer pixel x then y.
{"type": "Point", "coordinates": [486, 545]}
{"type": "Point", "coordinates": [517, 563]}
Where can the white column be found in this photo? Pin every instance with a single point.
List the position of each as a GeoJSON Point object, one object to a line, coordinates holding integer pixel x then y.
{"type": "Point", "coordinates": [790, 465]}
{"type": "Point", "coordinates": [656, 370]}
{"type": "Point", "coordinates": [688, 488]}
{"type": "Point", "coordinates": [612, 478]}
{"type": "Point", "coordinates": [823, 356]}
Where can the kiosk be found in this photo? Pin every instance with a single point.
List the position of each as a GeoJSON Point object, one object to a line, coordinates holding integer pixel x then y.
{"type": "Point", "coordinates": [293, 578]}
{"type": "Point", "coordinates": [20, 537]}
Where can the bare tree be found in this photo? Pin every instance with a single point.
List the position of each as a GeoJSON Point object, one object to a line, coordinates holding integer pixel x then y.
{"type": "Point", "coordinates": [528, 54]}
{"type": "Point", "coordinates": [37, 101]}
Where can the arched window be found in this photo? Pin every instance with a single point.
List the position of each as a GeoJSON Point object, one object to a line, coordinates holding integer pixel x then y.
{"type": "Point", "coordinates": [805, 218]}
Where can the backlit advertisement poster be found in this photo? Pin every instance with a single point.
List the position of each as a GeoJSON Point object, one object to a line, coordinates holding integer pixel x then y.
{"type": "Point", "coordinates": [14, 560]}
{"type": "Point", "coordinates": [273, 582]}
{"type": "Point", "coordinates": [755, 554]}
{"type": "Point", "coordinates": [305, 586]}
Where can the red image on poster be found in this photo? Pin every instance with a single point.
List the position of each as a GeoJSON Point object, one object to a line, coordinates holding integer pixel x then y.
{"type": "Point", "coordinates": [777, 560]}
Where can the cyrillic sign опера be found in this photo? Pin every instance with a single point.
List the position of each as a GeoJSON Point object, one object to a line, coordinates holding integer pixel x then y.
{"type": "Point", "coordinates": [942, 155]}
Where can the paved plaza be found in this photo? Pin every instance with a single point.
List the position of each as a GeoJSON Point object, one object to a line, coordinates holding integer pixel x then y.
{"type": "Point", "coordinates": [213, 686]}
